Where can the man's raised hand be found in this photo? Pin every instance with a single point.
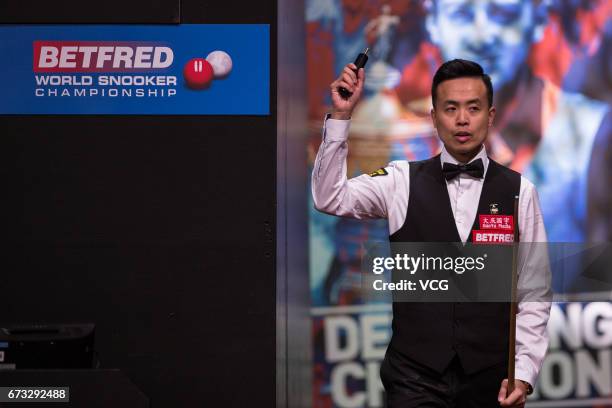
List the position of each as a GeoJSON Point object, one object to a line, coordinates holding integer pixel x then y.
{"type": "Point", "coordinates": [352, 82]}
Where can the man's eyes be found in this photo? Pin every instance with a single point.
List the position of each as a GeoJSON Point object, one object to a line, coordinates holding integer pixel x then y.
{"type": "Point", "coordinates": [470, 108]}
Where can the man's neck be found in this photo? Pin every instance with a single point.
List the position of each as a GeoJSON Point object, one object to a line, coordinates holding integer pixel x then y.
{"type": "Point", "coordinates": [466, 157]}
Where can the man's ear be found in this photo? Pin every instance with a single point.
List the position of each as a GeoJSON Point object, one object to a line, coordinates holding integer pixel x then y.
{"type": "Point", "coordinates": [432, 113]}
{"type": "Point", "coordinates": [491, 115]}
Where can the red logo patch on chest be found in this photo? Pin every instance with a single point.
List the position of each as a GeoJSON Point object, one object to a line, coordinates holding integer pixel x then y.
{"type": "Point", "coordinates": [492, 237]}
{"type": "Point", "coordinates": [496, 222]}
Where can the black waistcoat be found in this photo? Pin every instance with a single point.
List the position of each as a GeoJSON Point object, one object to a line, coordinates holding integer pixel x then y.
{"type": "Point", "coordinates": [433, 333]}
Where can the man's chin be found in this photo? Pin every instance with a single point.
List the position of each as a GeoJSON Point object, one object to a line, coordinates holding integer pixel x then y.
{"type": "Point", "coordinates": [463, 150]}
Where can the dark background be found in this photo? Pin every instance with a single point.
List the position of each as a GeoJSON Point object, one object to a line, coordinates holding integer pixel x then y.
{"type": "Point", "coordinates": [158, 229]}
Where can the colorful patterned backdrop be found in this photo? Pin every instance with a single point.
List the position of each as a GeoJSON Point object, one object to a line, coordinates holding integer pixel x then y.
{"type": "Point", "coordinates": [551, 66]}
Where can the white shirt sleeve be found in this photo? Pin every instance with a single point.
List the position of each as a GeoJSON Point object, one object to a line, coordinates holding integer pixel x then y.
{"type": "Point", "coordinates": [360, 197]}
{"type": "Point", "coordinates": [534, 287]}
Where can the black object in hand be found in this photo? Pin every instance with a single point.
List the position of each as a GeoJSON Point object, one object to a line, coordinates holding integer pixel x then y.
{"type": "Point", "coordinates": [359, 63]}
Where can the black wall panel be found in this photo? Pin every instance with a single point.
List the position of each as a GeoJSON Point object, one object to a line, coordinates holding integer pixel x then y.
{"type": "Point", "coordinates": [80, 12]}
{"type": "Point", "coordinates": [159, 229]}
{"type": "Point", "coordinates": [228, 11]}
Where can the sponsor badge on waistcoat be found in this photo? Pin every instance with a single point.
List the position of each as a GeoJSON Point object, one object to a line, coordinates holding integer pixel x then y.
{"type": "Point", "coordinates": [494, 228]}
{"type": "Point", "coordinates": [496, 222]}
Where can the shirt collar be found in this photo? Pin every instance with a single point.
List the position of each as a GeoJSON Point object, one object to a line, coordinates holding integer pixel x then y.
{"type": "Point", "coordinates": [446, 157]}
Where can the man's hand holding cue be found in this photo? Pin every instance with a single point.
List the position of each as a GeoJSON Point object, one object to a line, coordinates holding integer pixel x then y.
{"type": "Point", "coordinates": [517, 398]}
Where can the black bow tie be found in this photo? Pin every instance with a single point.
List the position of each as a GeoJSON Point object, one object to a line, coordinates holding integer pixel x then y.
{"type": "Point", "coordinates": [474, 169]}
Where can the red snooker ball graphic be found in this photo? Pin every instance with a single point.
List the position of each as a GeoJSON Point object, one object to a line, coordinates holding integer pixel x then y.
{"type": "Point", "coordinates": [198, 73]}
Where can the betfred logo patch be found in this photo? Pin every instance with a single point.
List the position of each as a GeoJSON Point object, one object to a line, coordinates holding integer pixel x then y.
{"type": "Point", "coordinates": [497, 222]}
{"type": "Point", "coordinates": [492, 237]}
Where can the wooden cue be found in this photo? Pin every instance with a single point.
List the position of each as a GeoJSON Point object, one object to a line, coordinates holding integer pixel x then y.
{"type": "Point", "coordinates": [512, 334]}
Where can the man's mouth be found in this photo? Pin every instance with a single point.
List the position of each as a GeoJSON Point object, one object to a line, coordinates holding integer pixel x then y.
{"type": "Point", "coordinates": [463, 137]}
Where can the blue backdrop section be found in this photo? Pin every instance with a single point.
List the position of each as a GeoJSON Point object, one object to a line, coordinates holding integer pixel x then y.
{"type": "Point", "coordinates": [245, 91]}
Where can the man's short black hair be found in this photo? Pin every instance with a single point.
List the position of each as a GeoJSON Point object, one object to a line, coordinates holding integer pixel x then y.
{"type": "Point", "coordinates": [460, 68]}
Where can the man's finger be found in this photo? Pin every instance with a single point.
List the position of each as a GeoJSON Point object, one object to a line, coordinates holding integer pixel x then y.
{"type": "Point", "coordinates": [347, 85]}
{"type": "Point", "coordinates": [350, 79]}
{"type": "Point", "coordinates": [350, 73]}
{"type": "Point", "coordinates": [515, 397]}
{"type": "Point", "coordinates": [360, 78]}
{"type": "Point", "coordinates": [340, 82]}
{"type": "Point", "coordinates": [503, 390]}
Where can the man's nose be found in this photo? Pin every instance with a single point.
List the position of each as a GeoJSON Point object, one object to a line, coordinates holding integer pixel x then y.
{"type": "Point", "coordinates": [462, 118]}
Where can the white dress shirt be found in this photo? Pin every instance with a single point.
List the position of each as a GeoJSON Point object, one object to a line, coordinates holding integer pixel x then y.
{"type": "Point", "coordinates": [387, 197]}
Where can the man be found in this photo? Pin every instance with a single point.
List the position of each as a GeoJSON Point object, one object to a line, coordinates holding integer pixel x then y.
{"type": "Point", "coordinates": [444, 354]}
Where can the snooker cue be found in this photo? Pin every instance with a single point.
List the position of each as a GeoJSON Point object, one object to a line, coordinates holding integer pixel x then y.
{"type": "Point", "coordinates": [512, 334]}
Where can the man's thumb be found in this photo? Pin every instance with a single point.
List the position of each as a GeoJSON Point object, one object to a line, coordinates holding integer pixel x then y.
{"type": "Point", "coordinates": [503, 390]}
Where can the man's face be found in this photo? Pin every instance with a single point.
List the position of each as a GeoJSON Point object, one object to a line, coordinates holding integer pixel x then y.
{"type": "Point", "coordinates": [462, 116]}
{"type": "Point", "coordinates": [495, 33]}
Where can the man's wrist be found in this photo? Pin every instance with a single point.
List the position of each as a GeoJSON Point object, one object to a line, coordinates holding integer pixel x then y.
{"type": "Point", "coordinates": [340, 115]}
{"type": "Point", "coordinates": [528, 387]}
